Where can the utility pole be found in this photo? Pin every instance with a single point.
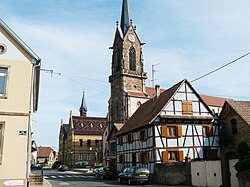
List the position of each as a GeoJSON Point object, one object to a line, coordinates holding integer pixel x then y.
{"type": "Point", "coordinates": [153, 74]}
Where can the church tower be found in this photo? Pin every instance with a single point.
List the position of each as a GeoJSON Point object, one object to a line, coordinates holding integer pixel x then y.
{"type": "Point", "coordinates": [83, 108]}
{"type": "Point", "coordinates": [127, 67]}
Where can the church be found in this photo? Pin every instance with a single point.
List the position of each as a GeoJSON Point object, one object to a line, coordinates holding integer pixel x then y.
{"type": "Point", "coordinates": [152, 125]}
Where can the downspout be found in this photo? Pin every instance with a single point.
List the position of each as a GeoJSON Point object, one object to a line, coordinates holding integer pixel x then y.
{"type": "Point", "coordinates": [29, 122]}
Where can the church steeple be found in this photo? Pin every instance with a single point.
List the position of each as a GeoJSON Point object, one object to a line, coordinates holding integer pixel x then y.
{"type": "Point", "coordinates": [83, 107]}
{"type": "Point", "coordinates": [125, 17]}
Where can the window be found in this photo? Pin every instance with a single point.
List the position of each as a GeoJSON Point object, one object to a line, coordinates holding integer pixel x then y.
{"type": "Point", "coordinates": [88, 143]}
{"type": "Point", "coordinates": [132, 59]}
{"type": "Point", "coordinates": [88, 156]}
{"type": "Point", "coordinates": [234, 126]}
{"type": "Point", "coordinates": [187, 108]}
{"type": "Point", "coordinates": [121, 159]}
{"type": "Point", "coordinates": [172, 156]}
{"type": "Point", "coordinates": [120, 140]}
{"type": "Point", "coordinates": [143, 135]}
{"type": "Point", "coordinates": [129, 138]}
{"type": "Point", "coordinates": [80, 143]}
{"type": "Point", "coordinates": [96, 143]}
{"type": "Point", "coordinates": [171, 130]}
{"type": "Point", "coordinates": [80, 157]}
{"type": "Point", "coordinates": [207, 130]}
{"type": "Point", "coordinates": [1, 140]}
{"type": "Point", "coordinates": [118, 57]}
{"type": "Point", "coordinates": [210, 154]}
{"type": "Point", "coordinates": [2, 48]}
{"type": "Point", "coordinates": [3, 81]}
{"type": "Point", "coordinates": [144, 158]}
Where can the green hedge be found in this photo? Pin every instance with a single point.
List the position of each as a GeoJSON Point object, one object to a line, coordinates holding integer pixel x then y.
{"type": "Point", "coordinates": [243, 164]}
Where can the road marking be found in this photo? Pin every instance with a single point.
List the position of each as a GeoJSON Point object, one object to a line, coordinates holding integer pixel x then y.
{"type": "Point", "coordinates": [60, 176]}
{"type": "Point", "coordinates": [67, 175]}
{"type": "Point", "coordinates": [54, 177]}
{"type": "Point", "coordinates": [64, 184]}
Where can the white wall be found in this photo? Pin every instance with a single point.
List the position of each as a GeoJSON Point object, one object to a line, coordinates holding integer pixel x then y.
{"type": "Point", "coordinates": [206, 173]}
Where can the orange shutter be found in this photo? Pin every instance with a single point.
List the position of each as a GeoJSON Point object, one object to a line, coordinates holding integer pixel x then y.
{"type": "Point", "coordinates": [165, 156]}
{"type": "Point", "coordinates": [179, 131]}
{"type": "Point", "coordinates": [184, 107]}
{"type": "Point", "coordinates": [210, 130]}
{"type": "Point", "coordinates": [164, 130]}
{"type": "Point", "coordinates": [190, 107]}
{"type": "Point", "coordinates": [181, 156]}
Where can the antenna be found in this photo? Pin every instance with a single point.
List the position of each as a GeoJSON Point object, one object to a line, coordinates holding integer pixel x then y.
{"type": "Point", "coordinates": [153, 74]}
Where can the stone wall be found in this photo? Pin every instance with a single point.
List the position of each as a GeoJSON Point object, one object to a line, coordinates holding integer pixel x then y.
{"type": "Point", "coordinates": [244, 178]}
{"type": "Point", "coordinates": [172, 173]}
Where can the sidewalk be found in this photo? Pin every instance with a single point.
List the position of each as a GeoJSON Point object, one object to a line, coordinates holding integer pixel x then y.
{"type": "Point", "coordinates": [45, 184]}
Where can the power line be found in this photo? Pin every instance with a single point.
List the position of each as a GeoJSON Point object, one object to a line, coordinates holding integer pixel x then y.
{"type": "Point", "coordinates": [217, 69]}
{"type": "Point", "coordinates": [52, 72]}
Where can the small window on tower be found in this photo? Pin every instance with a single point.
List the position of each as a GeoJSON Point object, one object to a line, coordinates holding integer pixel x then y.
{"type": "Point", "coordinates": [132, 59]}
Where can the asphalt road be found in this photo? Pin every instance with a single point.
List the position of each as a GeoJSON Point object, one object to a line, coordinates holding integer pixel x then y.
{"type": "Point", "coordinates": [80, 179]}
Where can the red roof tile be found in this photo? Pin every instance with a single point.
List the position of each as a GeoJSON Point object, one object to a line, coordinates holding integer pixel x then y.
{"type": "Point", "coordinates": [213, 101]}
{"type": "Point", "coordinates": [44, 151]}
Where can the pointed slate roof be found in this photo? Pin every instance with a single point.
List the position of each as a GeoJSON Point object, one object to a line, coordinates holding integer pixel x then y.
{"type": "Point", "coordinates": [149, 110]}
{"type": "Point", "coordinates": [242, 108]}
{"type": "Point", "coordinates": [125, 17]}
{"type": "Point", "coordinates": [83, 108]}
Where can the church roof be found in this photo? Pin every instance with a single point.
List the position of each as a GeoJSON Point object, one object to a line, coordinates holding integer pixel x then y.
{"type": "Point", "coordinates": [149, 110]}
{"type": "Point", "coordinates": [89, 125]}
{"type": "Point", "coordinates": [125, 17]}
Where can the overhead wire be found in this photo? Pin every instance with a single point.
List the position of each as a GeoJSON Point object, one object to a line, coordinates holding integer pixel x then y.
{"type": "Point", "coordinates": [221, 67]}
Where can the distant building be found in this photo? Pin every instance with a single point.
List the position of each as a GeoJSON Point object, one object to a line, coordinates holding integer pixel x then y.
{"type": "Point", "coordinates": [80, 141]}
{"type": "Point", "coordinates": [19, 88]}
{"type": "Point", "coordinates": [33, 156]}
{"type": "Point", "coordinates": [46, 156]}
{"type": "Point", "coordinates": [235, 128]}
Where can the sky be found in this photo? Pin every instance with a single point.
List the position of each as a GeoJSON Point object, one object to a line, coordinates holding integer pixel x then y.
{"type": "Point", "coordinates": [186, 39]}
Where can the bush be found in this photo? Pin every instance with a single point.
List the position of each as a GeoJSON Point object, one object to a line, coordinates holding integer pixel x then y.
{"type": "Point", "coordinates": [243, 164]}
{"type": "Point", "coordinates": [56, 164]}
{"type": "Point", "coordinates": [243, 151]}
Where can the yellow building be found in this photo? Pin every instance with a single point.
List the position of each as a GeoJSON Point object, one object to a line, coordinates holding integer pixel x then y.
{"type": "Point", "coordinates": [19, 87]}
{"type": "Point", "coordinates": [80, 141]}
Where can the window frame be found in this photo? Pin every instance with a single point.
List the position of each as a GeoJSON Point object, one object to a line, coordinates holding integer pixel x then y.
{"type": "Point", "coordinates": [144, 157]}
{"type": "Point", "coordinates": [165, 130]}
{"type": "Point", "coordinates": [80, 143]}
{"type": "Point", "coordinates": [130, 138]}
{"type": "Point", "coordinates": [234, 126]}
{"type": "Point", "coordinates": [207, 130]}
{"type": "Point", "coordinates": [144, 135]}
{"type": "Point", "coordinates": [2, 127]}
{"type": "Point", "coordinates": [179, 155]}
{"type": "Point", "coordinates": [132, 59]}
{"type": "Point", "coordinates": [4, 94]}
{"type": "Point", "coordinates": [89, 143]}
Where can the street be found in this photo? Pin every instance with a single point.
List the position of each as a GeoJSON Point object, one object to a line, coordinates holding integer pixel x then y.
{"type": "Point", "coordinates": [80, 179]}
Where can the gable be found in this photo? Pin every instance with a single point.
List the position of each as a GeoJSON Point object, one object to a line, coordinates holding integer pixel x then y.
{"type": "Point", "coordinates": [13, 50]}
{"type": "Point", "coordinates": [186, 102]}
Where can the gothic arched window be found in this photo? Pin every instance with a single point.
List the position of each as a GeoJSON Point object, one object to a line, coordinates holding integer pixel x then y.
{"type": "Point", "coordinates": [132, 59]}
{"type": "Point", "coordinates": [118, 53]}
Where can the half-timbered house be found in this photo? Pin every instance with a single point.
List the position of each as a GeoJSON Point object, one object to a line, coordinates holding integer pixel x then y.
{"type": "Point", "coordinates": [167, 128]}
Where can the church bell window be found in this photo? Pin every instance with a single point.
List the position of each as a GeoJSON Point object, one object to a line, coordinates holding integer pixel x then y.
{"type": "Point", "coordinates": [132, 59]}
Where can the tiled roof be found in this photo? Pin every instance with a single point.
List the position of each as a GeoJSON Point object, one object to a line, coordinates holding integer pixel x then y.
{"type": "Point", "coordinates": [137, 94]}
{"type": "Point", "coordinates": [242, 108]}
{"type": "Point", "coordinates": [213, 101]}
{"type": "Point", "coordinates": [44, 152]}
{"type": "Point", "coordinates": [151, 91]}
{"type": "Point", "coordinates": [149, 110]}
{"type": "Point", "coordinates": [89, 125]}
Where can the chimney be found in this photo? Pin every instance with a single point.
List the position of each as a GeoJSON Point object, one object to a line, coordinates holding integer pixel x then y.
{"type": "Point", "coordinates": [157, 91]}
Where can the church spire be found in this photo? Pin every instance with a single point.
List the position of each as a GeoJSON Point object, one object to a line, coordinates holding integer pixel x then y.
{"type": "Point", "coordinates": [83, 107]}
{"type": "Point", "coordinates": [125, 17]}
